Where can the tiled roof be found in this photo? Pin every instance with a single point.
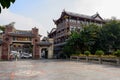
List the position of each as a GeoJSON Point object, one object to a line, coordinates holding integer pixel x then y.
{"type": "Point", "coordinates": [81, 15]}
{"type": "Point", "coordinates": [53, 30]}
{"type": "Point", "coordinates": [22, 33]}
{"type": "Point", "coordinates": [44, 43]}
{"type": "Point", "coordinates": [77, 15]}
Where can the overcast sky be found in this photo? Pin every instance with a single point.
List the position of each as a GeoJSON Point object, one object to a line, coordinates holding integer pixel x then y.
{"type": "Point", "coordinates": [40, 13]}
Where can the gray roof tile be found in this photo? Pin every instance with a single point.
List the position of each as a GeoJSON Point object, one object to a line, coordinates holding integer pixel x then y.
{"type": "Point", "coordinates": [44, 43]}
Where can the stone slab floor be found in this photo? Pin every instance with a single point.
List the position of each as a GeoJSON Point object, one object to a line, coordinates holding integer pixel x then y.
{"type": "Point", "coordinates": [56, 70]}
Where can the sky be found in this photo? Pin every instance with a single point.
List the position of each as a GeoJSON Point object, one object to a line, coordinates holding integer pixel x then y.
{"type": "Point", "coordinates": [28, 14]}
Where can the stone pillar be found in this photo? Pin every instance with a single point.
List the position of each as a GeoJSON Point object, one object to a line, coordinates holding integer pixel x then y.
{"type": "Point", "coordinates": [35, 31]}
{"type": "Point", "coordinates": [35, 41]}
{"type": "Point", "coordinates": [7, 40]}
{"type": "Point", "coordinates": [9, 28]}
{"type": "Point", "coordinates": [87, 58]}
{"type": "Point", "coordinates": [0, 51]}
{"type": "Point", "coordinates": [36, 50]}
{"type": "Point", "coordinates": [40, 52]}
{"type": "Point", "coordinates": [50, 52]}
{"type": "Point", "coordinates": [6, 47]}
{"type": "Point", "coordinates": [5, 52]}
{"type": "Point", "coordinates": [118, 61]}
{"type": "Point", "coordinates": [50, 49]}
{"type": "Point", "coordinates": [100, 60]}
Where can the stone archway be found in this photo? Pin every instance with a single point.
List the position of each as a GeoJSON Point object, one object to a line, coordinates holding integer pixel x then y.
{"type": "Point", "coordinates": [47, 45]}
{"type": "Point", "coordinates": [12, 35]}
{"type": "Point", "coordinates": [46, 51]}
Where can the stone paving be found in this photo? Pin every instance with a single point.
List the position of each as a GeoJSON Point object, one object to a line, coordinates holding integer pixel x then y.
{"type": "Point", "coordinates": [56, 70]}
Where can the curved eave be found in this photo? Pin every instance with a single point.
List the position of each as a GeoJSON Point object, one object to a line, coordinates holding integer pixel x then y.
{"type": "Point", "coordinates": [44, 43]}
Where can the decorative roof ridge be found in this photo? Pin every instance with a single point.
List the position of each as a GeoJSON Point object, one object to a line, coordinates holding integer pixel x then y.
{"type": "Point", "coordinates": [73, 14]}
{"type": "Point", "coordinates": [97, 14]}
{"type": "Point", "coordinates": [76, 14]}
{"type": "Point", "coordinates": [24, 30]}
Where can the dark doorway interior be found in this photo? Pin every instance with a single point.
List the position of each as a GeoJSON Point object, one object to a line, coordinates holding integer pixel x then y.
{"type": "Point", "coordinates": [44, 53]}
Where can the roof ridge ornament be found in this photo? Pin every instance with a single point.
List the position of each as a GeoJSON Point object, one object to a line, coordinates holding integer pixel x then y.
{"type": "Point", "coordinates": [11, 24]}
{"type": "Point", "coordinates": [64, 10]}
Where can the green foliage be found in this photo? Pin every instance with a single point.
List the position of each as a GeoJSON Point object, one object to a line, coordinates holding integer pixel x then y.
{"type": "Point", "coordinates": [117, 53]}
{"type": "Point", "coordinates": [5, 4]}
{"type": "Point", "coordinates": [87, 53]}
{"type": "Point", "coordinates": [2, 28]}
{"type": "Point", "coordinates": [89, 35]}
{"type": "Point", "coordinates": [83, 40]}
{"type": "Point", "coordinates": [109, 36]}
{"type": "Point", "coordinates": [93, 37]}
{"type": "Point", "coordinates": [77, 53]}
{"type": "Point", "coordinates": [63, 56]}
{"type": "Point", "coordinates": [68, 50]}
{"type": "Point", "coordinates": [99, 53]}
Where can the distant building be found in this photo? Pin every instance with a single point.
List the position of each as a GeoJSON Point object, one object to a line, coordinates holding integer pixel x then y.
{"type": "Point", "coordinates": [68, 22]}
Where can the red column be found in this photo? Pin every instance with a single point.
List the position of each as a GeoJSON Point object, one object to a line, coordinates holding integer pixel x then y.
{"type": "Point", "coordinates": [5, 53]}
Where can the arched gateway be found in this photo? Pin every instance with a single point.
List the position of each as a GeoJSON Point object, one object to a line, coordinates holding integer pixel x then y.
{"type": "Point", "coordinates": [20, 40]}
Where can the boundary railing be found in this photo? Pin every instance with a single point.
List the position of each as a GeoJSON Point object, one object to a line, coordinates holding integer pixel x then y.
{"type": "Point", "coordinates": [94, 59]}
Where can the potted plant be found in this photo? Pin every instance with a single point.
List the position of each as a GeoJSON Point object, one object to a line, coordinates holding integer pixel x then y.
{"type": "Point", "coordinates": [99, 53]}
{"type": "Point", "coordinates": [87, 53]}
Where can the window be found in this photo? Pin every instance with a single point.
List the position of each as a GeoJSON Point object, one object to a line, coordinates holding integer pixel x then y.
{"type": "Point", "coordinates": [14, 38]}
{"type": "Point", "coordinates": [72, 28]}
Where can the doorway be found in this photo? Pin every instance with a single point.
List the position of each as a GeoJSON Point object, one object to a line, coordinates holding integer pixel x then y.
{"type": "Point", "coordinates": [44, 53]}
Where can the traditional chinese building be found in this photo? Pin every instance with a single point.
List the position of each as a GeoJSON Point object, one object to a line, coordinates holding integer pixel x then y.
{"type": "Point", "coordinates": [68, 22]}
{"type": "Point", "coordinates": [24, 41]}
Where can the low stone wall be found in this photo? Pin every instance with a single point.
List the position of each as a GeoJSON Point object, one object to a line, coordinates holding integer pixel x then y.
{"type": "Point", "coordinates": [100, 60]}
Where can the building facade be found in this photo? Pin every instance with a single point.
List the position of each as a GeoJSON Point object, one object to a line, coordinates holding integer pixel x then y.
{"type": "Point", "coordinates": [23, 41]}
{"type": "Point", "coordinates": [68, 22]}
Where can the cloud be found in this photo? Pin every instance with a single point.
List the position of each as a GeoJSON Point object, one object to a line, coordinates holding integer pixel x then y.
{"type": "Point", "coordinates": [106, 8]}
{"type": "Point", "coordinates": [21, 22]}
{"type": "Point", "coordinates": [42, 12]}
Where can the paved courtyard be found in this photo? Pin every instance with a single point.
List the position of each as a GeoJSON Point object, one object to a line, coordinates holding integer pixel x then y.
{"type": "Point", "coordinates": [56, 70]}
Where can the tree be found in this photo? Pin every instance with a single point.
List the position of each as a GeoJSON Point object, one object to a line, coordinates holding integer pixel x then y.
{"type": "Point", "coordinates": [5, 4]}
{"type": "Point", "coordinates": [89, 35]}
{"type": "Point", "coordinates": [109, 37]}
{"type": "Point", "coordinates": [72, 44]}
{"type": "Point", "coordinates": [83, 40]}
{"type": "Point", "coordinates": [2, 28]}
{"type": "Point", "coordinates": [87, 53]}
{"type": "Point", "coordinates": [93, 38]}
{"type": "Point", "coordinates": [117, 53]}
{"type": "Point", "coordinates": [99, 53]}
